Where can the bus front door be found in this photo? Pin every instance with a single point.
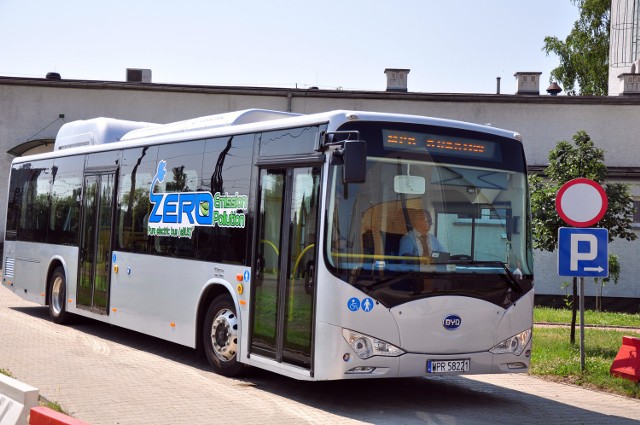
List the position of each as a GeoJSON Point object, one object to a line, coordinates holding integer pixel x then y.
{"type": "Point", "coordinates": [282, 314]}
{"type": "Point", "coordinates": [94, 269]}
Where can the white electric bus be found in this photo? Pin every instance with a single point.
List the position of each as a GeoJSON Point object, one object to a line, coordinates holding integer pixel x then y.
{"type": "Point", "coordinates": [286, 242]}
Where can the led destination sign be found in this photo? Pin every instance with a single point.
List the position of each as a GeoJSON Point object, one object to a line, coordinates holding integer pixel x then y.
{"type": "Point", "coordinates": [438, 144]}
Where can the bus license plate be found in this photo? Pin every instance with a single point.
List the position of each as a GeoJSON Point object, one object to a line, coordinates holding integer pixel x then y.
{"type": "Point", "coordinates": [447, 366]}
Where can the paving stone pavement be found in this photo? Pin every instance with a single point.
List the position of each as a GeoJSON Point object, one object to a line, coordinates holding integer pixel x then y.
{"type": "Point", "coordinates": [106, 375]}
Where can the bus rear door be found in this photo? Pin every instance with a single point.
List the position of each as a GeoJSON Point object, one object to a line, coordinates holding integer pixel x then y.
{"type": "Point", "coordinates": [94, 271]}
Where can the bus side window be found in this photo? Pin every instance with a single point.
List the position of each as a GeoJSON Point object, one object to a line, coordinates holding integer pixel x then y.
{"type": "Point", "coordinates": [137, 169]}
{"type": "Point", "coordinates": [227, 168]}
{"type": "Point", "coordinates": [14, 202]}
{"type": "Point", "coordinates": [33, 213]}
{"type": "Point", "coordinates": [184, 169]}
{"type": "Point", "coordinates": [65, 200]}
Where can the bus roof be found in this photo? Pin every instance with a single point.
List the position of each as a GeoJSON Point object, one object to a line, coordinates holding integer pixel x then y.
{"type": "Point", "coordinates": [85, 135]}
{"type": "Point", "coordinates": [246, 116]}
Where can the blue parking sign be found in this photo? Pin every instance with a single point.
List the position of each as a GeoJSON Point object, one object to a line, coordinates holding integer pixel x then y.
{"type": "Point", "coordinates": [583, 252]}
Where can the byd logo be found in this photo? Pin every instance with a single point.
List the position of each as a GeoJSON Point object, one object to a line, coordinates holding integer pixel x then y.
{"type": "Point", "coordinates": [452, 322]}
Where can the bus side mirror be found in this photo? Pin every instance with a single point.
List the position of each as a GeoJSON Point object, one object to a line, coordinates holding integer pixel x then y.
{"type": "Point", "coordinates": [354, 156]}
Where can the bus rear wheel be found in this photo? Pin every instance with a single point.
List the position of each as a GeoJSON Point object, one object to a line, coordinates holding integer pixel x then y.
{"type": "Point", "coordinates": [220, 337]}
{"type": "Point", "coordinates": [58, 296]}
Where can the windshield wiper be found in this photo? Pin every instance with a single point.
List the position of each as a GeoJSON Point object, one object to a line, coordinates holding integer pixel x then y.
{"type": "Point", "coordinates": [512, 279]}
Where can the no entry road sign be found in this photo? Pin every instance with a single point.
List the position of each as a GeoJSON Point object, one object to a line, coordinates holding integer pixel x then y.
{"type": "Point", "coordinates": [581, 202]}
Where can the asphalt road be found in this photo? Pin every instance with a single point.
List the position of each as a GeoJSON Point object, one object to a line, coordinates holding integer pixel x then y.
{"type": "Point", "coordinates": [107, 375]}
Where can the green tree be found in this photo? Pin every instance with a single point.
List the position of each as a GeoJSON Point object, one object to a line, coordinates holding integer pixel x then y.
{"type": "Point", "coordinates": [614, 274]}
{"type": "Point", "coordinates": [584, 54]}
{"type": "Point", "coordinates": [568, 161]}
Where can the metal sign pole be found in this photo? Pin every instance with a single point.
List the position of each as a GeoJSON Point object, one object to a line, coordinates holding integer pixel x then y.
{"type": "Point", "coordinates": [582, 252]}
{"type": "Point", "coordinates": [581, 323]}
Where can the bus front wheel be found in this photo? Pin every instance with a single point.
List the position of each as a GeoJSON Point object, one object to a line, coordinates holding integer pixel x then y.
{"type": "Point", "coordinates": [58, 296]}
{"type": "Point", "coordinates": [220, 337]}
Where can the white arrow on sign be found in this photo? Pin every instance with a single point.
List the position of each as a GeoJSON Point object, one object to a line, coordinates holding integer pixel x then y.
{"type": "Point", "coordinates": [593, 269]}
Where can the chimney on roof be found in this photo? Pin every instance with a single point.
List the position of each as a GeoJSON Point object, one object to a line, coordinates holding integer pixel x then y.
{"type": "Point", "coordinates": [135, 75]}
{"type": "Point", "coordinates": [396, 79]}
{"type": "Point", "coordinates": [554, 89]}
{"type": "Point", "coordinates": [528, 82]}
{"type": "Point", "coordinates": [630, 81]}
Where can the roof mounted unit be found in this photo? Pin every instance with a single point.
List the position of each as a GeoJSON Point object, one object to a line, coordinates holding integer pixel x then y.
{"type": "Point", "coordinates": [135, 75]}
{"type": "Point", "coordinates": [528, 82]}
{"type": "Point", "coordinates": [397, 79]}
{"type": "Point", "coordinates": [95, 131]}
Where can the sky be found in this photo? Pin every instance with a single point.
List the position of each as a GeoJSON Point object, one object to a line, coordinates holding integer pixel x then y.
{"type": "Point", "coordinates": [452, 46]}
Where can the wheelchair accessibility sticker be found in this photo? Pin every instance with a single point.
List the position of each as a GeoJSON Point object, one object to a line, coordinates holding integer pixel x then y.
{"type": "Point", "coordinates": [354, 304]}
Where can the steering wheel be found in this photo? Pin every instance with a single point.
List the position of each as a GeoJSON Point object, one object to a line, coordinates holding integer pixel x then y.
{"type": "Point", "coordinates": [460, 257]}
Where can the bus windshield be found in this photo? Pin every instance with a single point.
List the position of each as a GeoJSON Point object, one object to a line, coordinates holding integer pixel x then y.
{"type": "Point", "coordinates": [425, 224]}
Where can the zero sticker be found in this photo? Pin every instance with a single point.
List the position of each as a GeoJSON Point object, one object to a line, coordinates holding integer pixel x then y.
{"type": "Point", "coordinates": [177, 214]}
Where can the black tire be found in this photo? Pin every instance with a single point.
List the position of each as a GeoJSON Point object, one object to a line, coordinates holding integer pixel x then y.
{"type": "Point", "coordinates": [221, 335]}
{"type": "Point", "coordinates": [58, 296]}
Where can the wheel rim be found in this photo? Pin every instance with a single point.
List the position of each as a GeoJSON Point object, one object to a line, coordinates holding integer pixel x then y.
{"type": "Point", "coordinates": [57, 295]}
{"type": "Point", "coordinates": [224, 335]}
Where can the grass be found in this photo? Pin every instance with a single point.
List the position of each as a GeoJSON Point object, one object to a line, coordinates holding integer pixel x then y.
{"type": "Point", "coordinates": [42, 401]}
{"type": "Point", "coordinates": [554, 358]}
{"type": "Point", "coordinates": [7, 373]}
{"type": "Point", "coordinates": [598, 318]}
{"type": "Point", "coordinates": [53, 405]}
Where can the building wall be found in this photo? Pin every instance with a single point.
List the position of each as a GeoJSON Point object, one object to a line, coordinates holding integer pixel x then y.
{"type": "Point", "coordinates": [29, 109]}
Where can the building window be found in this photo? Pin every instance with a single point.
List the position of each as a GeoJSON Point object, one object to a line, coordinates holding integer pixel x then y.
{"type": "Point", "coordinates": [636, 213]}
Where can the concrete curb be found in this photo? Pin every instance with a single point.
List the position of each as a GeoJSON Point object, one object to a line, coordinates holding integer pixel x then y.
{"type": "Point", "coordinates": [16, 400]}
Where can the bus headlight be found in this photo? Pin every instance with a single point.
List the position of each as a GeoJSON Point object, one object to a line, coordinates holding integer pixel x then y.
{"type": "Point", "coordinates": [514, 345]}
{"type": "Point", "coordinates": [366, 346]}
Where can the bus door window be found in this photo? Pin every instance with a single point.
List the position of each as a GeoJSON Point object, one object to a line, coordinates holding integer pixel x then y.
{"type": "Point", "coordinates": [95, 245]}
{"type": "Point", "coordinates": [267, 263]}
{"type": "Point", "coordinates": [285, 264]}
{"type": "Point", "coordinates": [301, 268]}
